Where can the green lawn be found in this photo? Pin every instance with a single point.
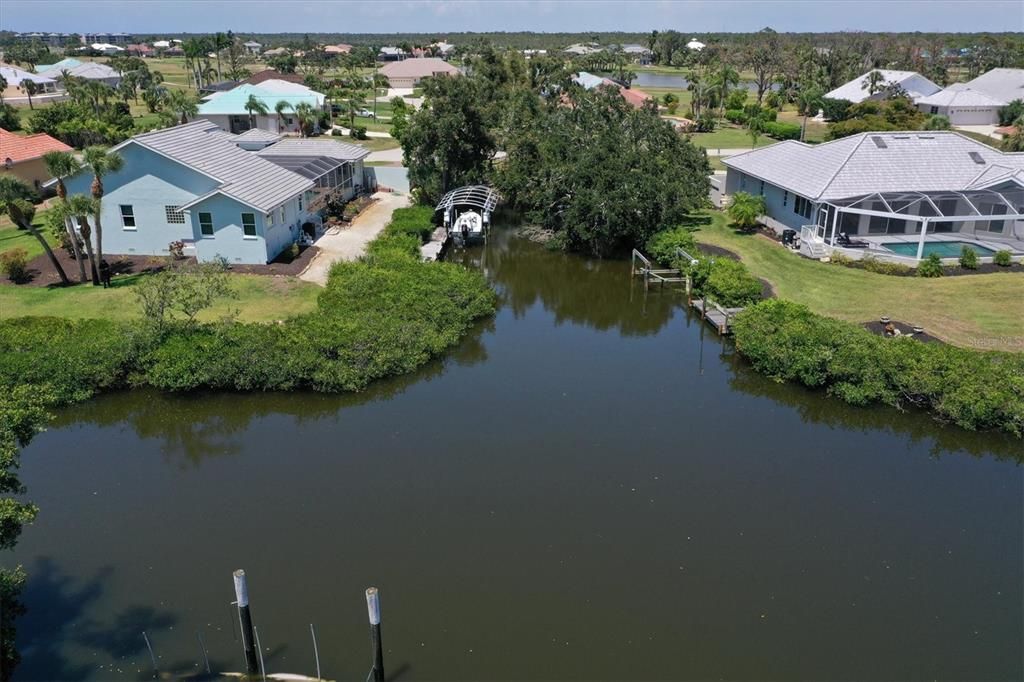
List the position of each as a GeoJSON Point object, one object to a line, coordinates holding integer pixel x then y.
{"type": "Point", "coordinates": [815, 130]}
{"type": "Point", "coordinates": [260, 299]}
{"type": "Point", "coordinates": [979, 311]}
{"type": "Point", "coordinates": [728, 137]}
{"type": "Point", "coordinates": [377, 144]}
{"type": "Point", "coordinates": [13, 238]}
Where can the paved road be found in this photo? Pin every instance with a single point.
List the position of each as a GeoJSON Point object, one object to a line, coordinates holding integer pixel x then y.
{"type": "Point", "coordinates": [386, 156]}
{"type": "Point", "coordinates": [369, 133]}
{"type": "Point", "coordinates": [350, 243]}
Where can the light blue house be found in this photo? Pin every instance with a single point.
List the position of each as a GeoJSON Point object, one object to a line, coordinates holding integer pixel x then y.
{"type": "Point", "coordinates": [193, 183]}
{"type": "Point", "coordinates": [227, 109]}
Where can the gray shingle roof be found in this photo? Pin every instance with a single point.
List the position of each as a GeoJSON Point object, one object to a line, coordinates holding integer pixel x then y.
{"type": "Point", "coordinates": [960, 95]}
{"type": "Point", "coordinates": [857, 165]}
{"type": "Point", "coordinates": [257, 135]}
{"type": "Point", "coordinates": [243, 175]}
{"type": "Point", "coordinates": [315, 147]}
{"type": "Point", "coordinates": [1005, 85]}
{"type": "Point", "coordinates": [914, 83]}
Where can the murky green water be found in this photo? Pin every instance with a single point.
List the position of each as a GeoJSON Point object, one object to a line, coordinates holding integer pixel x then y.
{"type": "Point", "coordinates": [591, 487]}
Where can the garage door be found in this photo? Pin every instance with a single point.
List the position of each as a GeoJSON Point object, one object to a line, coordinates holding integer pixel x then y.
{"type": "Point", "coordinates": [976, 117]}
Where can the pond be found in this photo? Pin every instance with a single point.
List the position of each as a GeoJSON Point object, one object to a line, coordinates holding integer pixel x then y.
{"type": "Point", "coordinates": [592, 486]}
{"type": "Point", "coordinates": [647, 79]}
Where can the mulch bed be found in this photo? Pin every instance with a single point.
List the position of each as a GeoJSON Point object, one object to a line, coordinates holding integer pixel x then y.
{"type": "Point", "coordinates": [876, 327]}
{"type": "Point", "coordinates": [982, 269]}
{"type": "Point", "coordinates": [42, 274]}
{"type": "Point", "coordinates": [283, 265]}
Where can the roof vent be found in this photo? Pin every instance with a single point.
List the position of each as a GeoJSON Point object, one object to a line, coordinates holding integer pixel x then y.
{"type": "Point", "coordinates": [879, 142]}
{"type": "Point", "coordinates": [976, 157]}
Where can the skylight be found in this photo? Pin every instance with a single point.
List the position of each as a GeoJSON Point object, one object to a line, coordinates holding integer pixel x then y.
{"type": "Point", "coordinates": [879, 142]}
{"type": "Point", "coordinates": [976, 157]}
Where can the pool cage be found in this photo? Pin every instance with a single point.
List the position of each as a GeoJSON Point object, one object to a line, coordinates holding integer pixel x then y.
{"type": "Point", "coordinates": [994, 212]}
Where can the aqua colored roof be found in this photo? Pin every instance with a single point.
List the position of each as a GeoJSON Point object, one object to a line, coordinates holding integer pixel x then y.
{"type": "Point", "coordinates": [233, 101]}
{"type": "Point", "coordinates": [66, 63]}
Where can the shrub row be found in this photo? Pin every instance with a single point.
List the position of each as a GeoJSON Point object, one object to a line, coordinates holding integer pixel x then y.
{"type": "Point", "coordinates": [973, 389]}
{"type": "Point", "coordinates": [728, 282]}
{"type": "Point", "coordinates": [782, 131]}
{"type": "Point", "coordinates": [383, 315]}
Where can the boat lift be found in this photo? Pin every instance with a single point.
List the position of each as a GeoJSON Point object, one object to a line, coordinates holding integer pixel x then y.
{"type": "Point", "coordinates": [467, 212]}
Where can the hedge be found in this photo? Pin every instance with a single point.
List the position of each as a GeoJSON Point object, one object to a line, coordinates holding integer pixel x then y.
{"type": "Point", "coordinates": [383, 315]}
{"type": "Point", "coordinates": [973, 389]}
{"type": "Point", "coordinates": [782, 131]}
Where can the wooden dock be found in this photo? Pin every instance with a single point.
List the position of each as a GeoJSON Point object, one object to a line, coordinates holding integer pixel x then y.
{"type": "Point", "coordinates": [718, 317]}
{"type": "Point", "coordinates": [641, 266]}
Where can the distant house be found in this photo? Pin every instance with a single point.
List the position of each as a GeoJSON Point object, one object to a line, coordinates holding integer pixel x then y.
{"type": "Point", "coordinates": [634, 96]}
{"type": "Point", "coordinates": [976, 102]}
{"type": "Point", "coordinates": [140, 50]}
{"type": "Point", "coordinates": [642, 55]}
{"type": "Point", "coordinates": [858, 89]}
{"type": "Point", "coordinates": [161, 44]}
{"type": "Point", "coordinates": [252, 47]}
{"type": "Point", "coordinates": [442, 48]}
{"type": "Point", "coordinates": [391, 54]}
{"type": "Point", "coordinates": [50, 70]}
{"type": "Point", "coordinates": [22, 156]}
{"type": "Point", "coordinates": [340, 48]}
{"type": "Point", "coordinates": [108, 49]}
{"type": "Point", "coordinates": [276, 52]}
{"type": "Point", "coordinates": [272, 74]}
{"type": "Point", "coordinates": [409, 72]}
{"type": "Point", "coordinates": [695, 45]}
{"type": "Point", "coordinates": [582, 49]}
{"type": "Point", "coordinates": [194, 183]}
{"type": "Point", "coordinates": [95, 71]}
{"type": "Point", "coordinates": [14, 77]}
{"type": "Point", "coordinates": [227, 109]}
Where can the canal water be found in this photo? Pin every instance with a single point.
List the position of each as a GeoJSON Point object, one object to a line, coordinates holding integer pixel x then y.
{"type": "Point", "coordinates": [591, 487]}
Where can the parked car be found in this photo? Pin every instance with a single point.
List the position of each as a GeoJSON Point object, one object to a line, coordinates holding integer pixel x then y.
{"type": "Point", "coordinates": [365, 113]}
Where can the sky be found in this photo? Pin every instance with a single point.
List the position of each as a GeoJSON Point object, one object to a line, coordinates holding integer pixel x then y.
{"type": "Point", "coordinates": [441, 16]}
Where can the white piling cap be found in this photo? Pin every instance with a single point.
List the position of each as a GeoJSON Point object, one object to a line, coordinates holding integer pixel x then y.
{"type": "Point", "coordinates": [241, 588]}
{"type": "Point", "coordinates": [373, 605]}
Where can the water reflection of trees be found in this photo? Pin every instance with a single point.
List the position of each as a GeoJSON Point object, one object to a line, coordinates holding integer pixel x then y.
{"type": "Point", "coordinates": [596, 293]}
{"type": "Point", "coordinates": [194, 426]}
{"type": "Point", "coordinates": [916, 426]}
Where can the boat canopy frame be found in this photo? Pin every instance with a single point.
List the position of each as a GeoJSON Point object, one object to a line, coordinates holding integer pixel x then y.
{"type": "Point", "coordinates": [478, 196]}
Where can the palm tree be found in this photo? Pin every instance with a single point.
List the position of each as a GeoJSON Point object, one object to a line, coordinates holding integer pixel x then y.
{"type": "Point", "coordinates": [3, 86]}
{"type": "Point", "coordinates": [280, 108]}
{"type": "Point", "coordinates": [724, 78]}
{"type": "Point", "coordinates": [873, 82]}
{"type": "Point", "coordinates": [183, 104]}
{"type": "Point", "coordinates": [77, 209]}
{"type": "Point", "coordinates": [937, 122]}
{"type": "Point", "coordinates": [100, 161]}
{"type": "Point", "coordinates": [221, 41]}
{"type": "Point", "coordinates": [62, 165]}
{"type": "Point", "coordinates": [29, 86]}
{"type": "Point", "coordinates": [254, 106]}
{"type": "Point", "coordinates": [12, 193]}
{"type": "Point", "coordinates": [810, 99]}
{"type": "Point", "coordinates": [306, 115]}
{"type": "Point", "coordinates": [1014, 142]}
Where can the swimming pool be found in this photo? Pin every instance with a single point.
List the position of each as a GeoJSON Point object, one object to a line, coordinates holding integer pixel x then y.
{"type": "Point", "coordinates": [944, 249]}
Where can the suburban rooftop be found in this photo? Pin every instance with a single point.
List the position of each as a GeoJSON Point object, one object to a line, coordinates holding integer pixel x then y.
{"type": "Point", "coordinates": [916, 161]}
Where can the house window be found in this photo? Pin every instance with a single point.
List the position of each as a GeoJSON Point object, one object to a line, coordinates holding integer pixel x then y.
{"type": "Point", "coordinates": [300, 202]}
{"type": "Point", "coordinates": [785, 198]}
{"type": "Point", "coordinates": [249, 224]}
{"type": "Point", "coordinates": [935, 110]}
{"type": "Point", "coordinates": [802, 207]}
{"type": "Point", "coordinates": [280, 213]}
{"type": "Point", "coordinates": [174, 215]}
{"type": "Point", "coordinates": [206, 224]}
{"type": "Point", "coordinates": [127, 217]}
{"type": "Point", "coordinates": [762, 188]}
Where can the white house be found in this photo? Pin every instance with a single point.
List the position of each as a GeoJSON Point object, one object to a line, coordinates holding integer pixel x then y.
{"type": "Point", "coordinates": [252, 47]}
{"type": "Point", "coordinates": [695, 45]}
{"type": "Point", "coordinates": [858, 89]}
{"type": "Point", "coordinates": [897, 195]}
{"type": "Point", "coordinates": [976, 102]}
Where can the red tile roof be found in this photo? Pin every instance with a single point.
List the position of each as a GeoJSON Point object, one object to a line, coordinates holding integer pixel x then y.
{"type": "Point", "coordinates": [635, 97]}
{"type": "Point", "coordinates": [20, 148]}
{"type": "Point", "coordinates": [268, 74]}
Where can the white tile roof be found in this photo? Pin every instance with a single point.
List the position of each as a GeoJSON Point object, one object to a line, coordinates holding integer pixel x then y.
{"type": "Point", "coordinates": [420, 67]}
{"type": "Point", "coordinates": [856, 165]}
{"type": "Point", "coordinates": [13, 75]}
{"type": "Point", "coordinates": [1004, 85]}
{"type": "Point", "coordinates": [914, 83]}
{"type": "Point", "coordinates": [243, 175]}
{"type": "Point", "coordinates": [93, 71]}
{"type": "Point", "coordinates": [960, 95]}
{"type": "Point", "coordinates": [257, 135]}
{"type": "Point", "coordinates": [333, 149]}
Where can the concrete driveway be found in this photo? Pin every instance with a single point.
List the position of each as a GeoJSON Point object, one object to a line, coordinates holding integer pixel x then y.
{"type": "Point", "coordinates": [350, 243]}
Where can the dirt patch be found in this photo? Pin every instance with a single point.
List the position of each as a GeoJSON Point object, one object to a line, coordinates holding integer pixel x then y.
{"type": "Point", "coordinates": [719, 251]}
{"type": "Point", "coordinates": [876, 327]}
{"type": "Point", "coordinates": [982, 269]}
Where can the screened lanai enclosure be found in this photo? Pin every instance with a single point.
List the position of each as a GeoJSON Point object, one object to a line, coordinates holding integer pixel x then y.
{"type": "Point", "coordinates": [916, 224]}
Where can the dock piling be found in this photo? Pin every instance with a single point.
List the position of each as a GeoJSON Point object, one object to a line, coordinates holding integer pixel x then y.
{"type": "Point", "coordinates": [245, 622]}
{"type": "Point", "coordinates": [373, 609]}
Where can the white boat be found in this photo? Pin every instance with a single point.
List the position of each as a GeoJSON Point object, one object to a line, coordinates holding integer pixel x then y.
{"type": "Point", "coordinates": [468, 226]}
{"type": "Point", "coordinates": [467, 213]}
